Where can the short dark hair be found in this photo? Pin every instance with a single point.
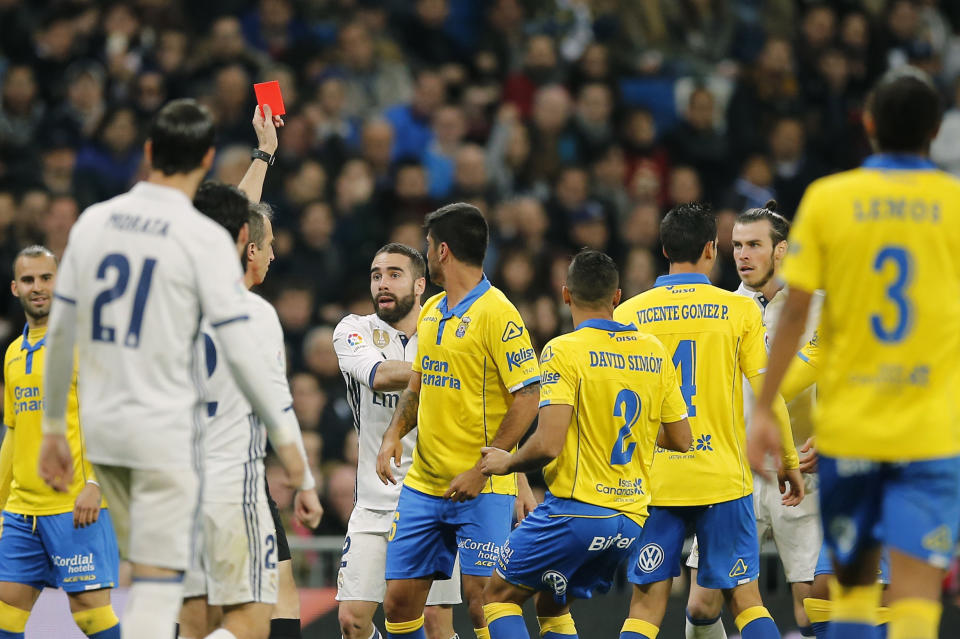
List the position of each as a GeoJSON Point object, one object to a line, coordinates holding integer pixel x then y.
{"type": "Point", "coordinates": [906, 111]}
{"type": "Point", "coordinates": [592, 279]}
{"type": "Point", "coordinates": [686, 229]}
{"type": "Point", "coordinates": [180, 135]}
{"type": "Point", "coordinates": [259, 211]}
{"type": "Point", "coordinates": [463, 228]}
{"type": "Point", "coordinates": [779, 226]}
{"type": "Point", "coordinates": [418, 264]}
{"type": "Point", "coordinates": [35, 250]}
{"type": "Point", "coordinates": [224, 204]}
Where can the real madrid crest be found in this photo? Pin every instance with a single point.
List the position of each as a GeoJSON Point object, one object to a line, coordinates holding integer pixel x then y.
{"type": "Point", "coordinates": [462, 329]}
{"type": "Point", "coordinates": [380, 338]}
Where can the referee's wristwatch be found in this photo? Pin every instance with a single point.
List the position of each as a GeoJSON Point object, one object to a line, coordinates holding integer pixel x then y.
{"type": "Point", "coordinates": [257, 154]}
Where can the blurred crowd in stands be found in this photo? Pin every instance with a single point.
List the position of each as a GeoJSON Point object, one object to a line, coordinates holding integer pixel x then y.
{"type": "Point", "coordinates": [570, 123]}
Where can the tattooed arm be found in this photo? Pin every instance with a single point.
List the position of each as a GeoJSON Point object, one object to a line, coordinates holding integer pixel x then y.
{"type": "Point", "coordinates": [404, 420]}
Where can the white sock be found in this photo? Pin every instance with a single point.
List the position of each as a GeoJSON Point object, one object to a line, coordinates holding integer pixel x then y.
{"type": "Point", "coordinates": [221, 633]}
{"type": "Point", "coordinates": [711, 631]}
{"type": "Point", "coordinates": [152, 609]}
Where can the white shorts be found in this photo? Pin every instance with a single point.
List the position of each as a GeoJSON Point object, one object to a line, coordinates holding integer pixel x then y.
{"type": "Point", "coordinates": [364, 560]}
{"type": "Point", "coordinates": [238, 556]}
{"type": "Point", "coordinates": [154, 512]}
{"type": "Point", "coordinates": [795, 530]}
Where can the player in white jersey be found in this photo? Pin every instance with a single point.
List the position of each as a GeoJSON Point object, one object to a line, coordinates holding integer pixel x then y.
{"type": "Point", "coordinates": [240, 543]}
{"type": "Point", "coordinates": [138, 272]}
{"type": "Point", "coordinates": [375, 352]}
{"type": "Point", "coordinates": [759, 245]}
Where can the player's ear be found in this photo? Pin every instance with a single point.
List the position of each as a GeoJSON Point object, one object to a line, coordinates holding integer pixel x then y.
{"type": "Point", "coordinates": [208, 159]}
{"type": "Point", "coordinates": [148, 152]}
{"type": "Point", "coordinates": [616, 297]}
{"type": "Point", "coordinates": [419, 286]}
{"type": "Point", "coordinates": [565, 294]}
{"type": "Point", "coordinates": [13, 288]}
{"type": "Point", "coordinates": [781, 249]}
{"type": "Point", "coordinates": [869, 126]}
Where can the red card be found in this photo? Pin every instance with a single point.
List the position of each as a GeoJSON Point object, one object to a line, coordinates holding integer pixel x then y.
{"type": "Point", "coordinates": [269, 93]}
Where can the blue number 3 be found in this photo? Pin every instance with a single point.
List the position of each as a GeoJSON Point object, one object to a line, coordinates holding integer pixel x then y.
{"type": "Point", "coordinates": [627, 405]}
{"type": "Point", "coordinates": [896, 293]}
{"type": "Point", "coordinates": [120, 264]}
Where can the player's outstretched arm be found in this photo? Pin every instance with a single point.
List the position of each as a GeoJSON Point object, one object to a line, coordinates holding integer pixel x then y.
{"type": "Point", "coordinates": [542, 448]}
{"type": "Point", "coordinates": [675, 436]}
{"type": "Point", "coordinates": [404, 420]}
{"type": "Point", "coordinates": [265, 126]}
{"type": "Point", "coordinates": [56, 462]}
{"type": "Point", "coordinates": [765, 436]}
{"type": "Point", "coordinates": [392, 375]}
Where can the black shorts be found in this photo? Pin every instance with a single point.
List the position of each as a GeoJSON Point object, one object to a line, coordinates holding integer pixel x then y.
{"type": "Point", "coordinates": [283, 548]}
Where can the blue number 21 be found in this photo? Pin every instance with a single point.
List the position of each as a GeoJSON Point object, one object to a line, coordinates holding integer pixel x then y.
{"type": "Point", "coordinates": [120, 264]}
{"type": "Point", "coordinates": [896, 292]}
{"type": "Point", "coordinates": [626, 405]}
{"type": "Point", "coordinates": [685, 361]}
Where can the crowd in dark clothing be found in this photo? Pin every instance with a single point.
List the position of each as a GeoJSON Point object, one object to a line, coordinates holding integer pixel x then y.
{"type": "Point", "coordinates": [569, 123]}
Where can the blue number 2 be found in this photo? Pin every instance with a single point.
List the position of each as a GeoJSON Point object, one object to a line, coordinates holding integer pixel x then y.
{"type": "Point", "coordinates": [268, 561]}
{"type": "Point", "coordinates": [896, 292]}
{"type": "Point", "coordinates": [685, 361]}
{"type": "Point", "coordinates": [626, 405]}
{"type": "Point", "coordinates": [120, 264]}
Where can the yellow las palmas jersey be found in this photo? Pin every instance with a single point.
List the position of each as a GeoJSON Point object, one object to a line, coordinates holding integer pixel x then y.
{"type": "Point", "coordinates": [471, 358]}
{"type": "Point", "coordinates": [883, 241]}
{"type": "Point", "coordinates": [621, 385]}
{"type": "Point", "coordinates": [714, 338]}
{"type": "Point", "coordinates": [22, 409]}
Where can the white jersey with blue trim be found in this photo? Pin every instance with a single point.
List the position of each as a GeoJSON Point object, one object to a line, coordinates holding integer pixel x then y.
{"type": "Point", "coordinates": [140, 269]}
{"type": "Point", "coordinates": [235, 439]}
{"type": "Point", "coordinates": [362, 343]}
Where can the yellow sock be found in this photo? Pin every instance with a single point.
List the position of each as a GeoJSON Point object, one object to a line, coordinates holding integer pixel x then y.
{"type": "Point", "coordinates": [482, 633]}
{"type": "Point", "coordinates": [855, 604]}
{"type": "Point", "coordinates": [640, 626]}
{"type": "Point", "coordinates": [562, 625]}
{"type": "Point", "coordinates": [494, 611]}
{"type": "Point", "coordinates": [96, 620]}
{"type": "Point", "coordinates": [13, 619]}
{"type": "Point", "coordinates": [404, 627]}
{"type": "Point", "coordinates": [914, 619]}
{"type": "Point", "coordinates": [751, 614]}
{"type": "Point", "coordinates": [818, 610]}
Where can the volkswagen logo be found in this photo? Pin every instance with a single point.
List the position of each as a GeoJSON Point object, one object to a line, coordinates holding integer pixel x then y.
{"type": "Point", "coordinates": [651, 556]}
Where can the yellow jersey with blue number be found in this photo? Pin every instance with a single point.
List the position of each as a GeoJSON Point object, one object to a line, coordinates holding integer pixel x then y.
{"type": "Point", "coordinates": [22, 409]}
{"type": "Point", "coordinates": [621, 385]}
{"type": "Point", "coordinates": [883, 242]}
{"type": "Point", "coordinates": [714, 338]}
{"type": "Point", "coordinates": [471, 358]}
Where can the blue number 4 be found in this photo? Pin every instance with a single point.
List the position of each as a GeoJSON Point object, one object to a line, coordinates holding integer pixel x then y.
{"type": "Point", "coordinates": [120, 264]}
{"type": "Point", "coordinates": [685, 361]}
{"type": "Point", "coordinates": [627, 405]}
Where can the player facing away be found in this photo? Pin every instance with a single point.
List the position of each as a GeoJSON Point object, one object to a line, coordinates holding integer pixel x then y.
{"type": "Point", "coordinates": [48, 538]}
{"type": "Point", "coordinates": [715, 338]}
{"type": "Point", "coordinates": [138, 272]}
{"type": "Point", "coordinates": [608, 395]}
{"type": "Point", "coordinates": [475, 383]}
{"type": "Point", "coordinates": [223, 204]}
{"type": "Point", "coordinates": [239, 556]}
{"type": "Point", "coordinates": [759, 245]}
{"type": "Point", "coordinates": [375, 353]}
{"type": "Point", "coordinates": [882, 241]}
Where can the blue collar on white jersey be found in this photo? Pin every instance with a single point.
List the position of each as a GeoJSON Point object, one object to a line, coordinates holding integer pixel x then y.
{"type": "Point", "coordinates": [605, 325]}
{"type": "Point", "coordinates": [464, 305]}
{"type": "Point", "coordinates": [898, 161]}
{"type": "Point", "coordinates": [682, 278]}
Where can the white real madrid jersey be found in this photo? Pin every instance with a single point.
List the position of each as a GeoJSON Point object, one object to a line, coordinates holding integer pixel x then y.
{"type": "Point", "coordinates": [362, 343]}
{"type": "Point", "coordinates": [141, 269]}
{"type": "Point", "coordinates": [235, 440]}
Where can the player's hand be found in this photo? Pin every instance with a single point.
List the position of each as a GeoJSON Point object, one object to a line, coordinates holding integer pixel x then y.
{"type": "Point", "coordinates": [86, 509]}
{"type": "Point", "coordinates": [56, 463]}
{"type": "Point", "coordinates": [390, 449]}
{"type": "Point", "coordinates": [466, 486]}
{"type": "Point", "coordinates": [526, 501]}
{"type": "Point", "coordinates": [292, 462]}
{"type": "Point", "coordinates": [307, 508]}
{"type": "Point", "coordinates": [495, 461]}
{"type": "Point", "coordinates": [794, 495]}
{"type": "Point", "coordinates": [808, 464]}
{"type": "Point", "coordinates": [266, 126]}
{"type": "Point", "coordinates": [763, 439]}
